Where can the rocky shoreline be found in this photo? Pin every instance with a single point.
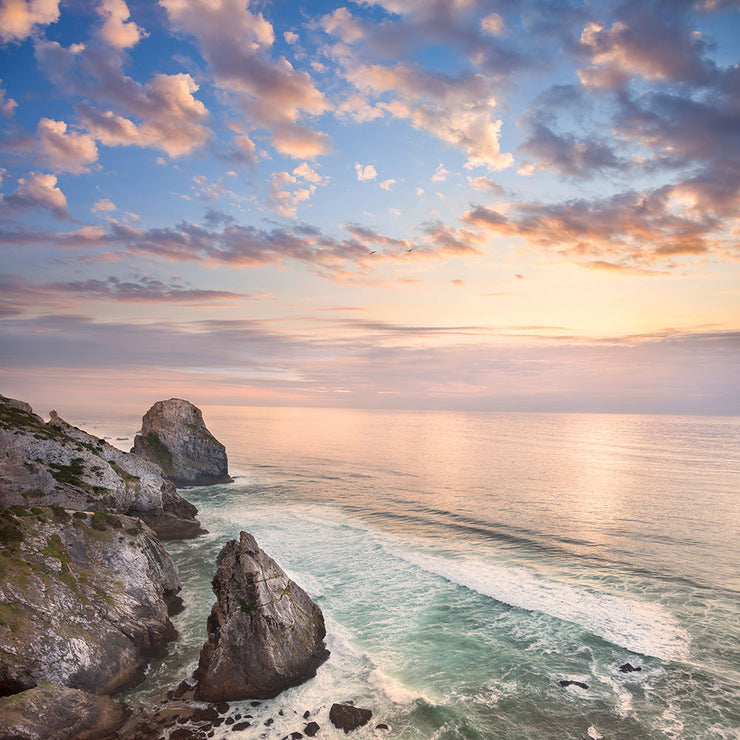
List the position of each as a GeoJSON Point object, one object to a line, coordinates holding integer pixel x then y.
{"type": "Point", "coordinates": [87, 589]}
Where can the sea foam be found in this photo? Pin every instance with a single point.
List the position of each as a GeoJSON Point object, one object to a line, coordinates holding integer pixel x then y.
{"type": "Point", "coordinates": [640, 627]}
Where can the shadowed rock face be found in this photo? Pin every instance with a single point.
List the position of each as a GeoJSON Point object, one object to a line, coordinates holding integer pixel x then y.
{"type": "Point", "coordinates": [55, 463]}
{"type": "Point", "coordinates": [265, 634]}
{"type": "Point", "coordinates": [174, 436]}
{"type": "Point", "coordinates": [84, 599]}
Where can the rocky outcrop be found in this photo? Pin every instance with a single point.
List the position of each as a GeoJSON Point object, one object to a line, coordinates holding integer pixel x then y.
{"type": "Point", "coordinates": [60, 713]}
{"type": "Point", "coordinates": [348, 717]}
{"type": "Point", "coordinates": [265, 634]}
{"type": "Point", "coordinates": [54, 463]}
{"type": "Point", "coordinates": [84, 599]}
{"type": "Point", "coordinates": [174, 436]}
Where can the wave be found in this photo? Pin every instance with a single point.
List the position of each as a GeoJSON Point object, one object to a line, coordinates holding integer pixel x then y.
{"type": "Point", "coordinates": [640, 627]}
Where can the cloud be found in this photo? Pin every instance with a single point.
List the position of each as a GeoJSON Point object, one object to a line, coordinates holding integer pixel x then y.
{"type": "Point", "coordinates": [650, 42]}
{"type": "Point", "coordinates": [65, 150]}
{"type": "Point", "coordinates": [387, 184]}
{"type": "Point", "coordinates": [7, 105]}
{"type": "Point", "coordinates": [341, 23]}
{"type": "Point", "coordinates": [236, 44]}
{"type": "Point", "coordinates": [117, 29]}
{"type": "Point", "coordinates": [630, 229]}
{"type": "Point", "coordinates": [485, 183]}
{"type": "Point", "coordinates": [104, 205]}
{"type": "Point", "coordinates": [170, 117]}
{"type": "Point", "coordinates": [39, 191]}
{"type": "Point", "coordinates": [565, 153]}
{"type": "Point", "coordinates": [456, 109]}
{"type": "Point", "coordinates": [440, 174]}
{"type": "Point", "coordinates": [139, 290]}
{"type": "Point", "coordinates": [365, 172]}
{"type": "Point", "coordinates": [20, 18]}
{"type": "Point", "coordinates": [378, 363]}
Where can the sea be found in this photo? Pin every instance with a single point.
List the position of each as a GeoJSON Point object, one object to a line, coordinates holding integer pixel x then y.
{"type": "Point", "coordinates": [467, 564]}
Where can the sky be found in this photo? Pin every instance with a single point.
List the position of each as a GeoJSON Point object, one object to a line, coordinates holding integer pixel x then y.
{"type": "Point", "coordinates": [527, 205]}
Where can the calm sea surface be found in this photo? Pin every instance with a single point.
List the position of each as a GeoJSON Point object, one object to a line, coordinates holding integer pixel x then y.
{"type": "Point", "coordinates": [468, 563]}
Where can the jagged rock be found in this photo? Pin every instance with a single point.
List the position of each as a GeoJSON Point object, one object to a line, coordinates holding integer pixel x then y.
{"type": "Point", "coordinates": [311, 729]}
{"type": "Point", "coordinates": [347, 717]}
{"type": "Point", "coordinates": [580, 684]}
{"type": "Point", "coordinates": [264, 632]}
{"type": "Point", "coordinates": [83, 599]}
{"type": "Point", "coordinates": [55, 463]}
{"type": "Point", "coordinates": [628, 668]}
{"type": "Point", "coordinates": [60, 713]}
{"type": "Point", "coordinates": [174, 436]}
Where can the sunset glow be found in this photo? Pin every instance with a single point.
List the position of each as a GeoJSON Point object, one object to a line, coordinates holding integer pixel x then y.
{"type": "Point", "coordinates": [456, 204]}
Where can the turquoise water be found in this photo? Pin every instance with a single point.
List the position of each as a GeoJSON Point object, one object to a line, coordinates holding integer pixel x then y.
{"type": "Point", "coordinates": [468, 563]}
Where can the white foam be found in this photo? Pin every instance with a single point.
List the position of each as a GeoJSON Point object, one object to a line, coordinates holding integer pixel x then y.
{"type": "Point", "coordinates": [396, 691]}
{"type": "Point", "coordinates": [641, 627]}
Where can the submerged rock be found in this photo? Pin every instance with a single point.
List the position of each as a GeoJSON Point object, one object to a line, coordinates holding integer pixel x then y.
{"type": "Point", "coordinates": [174, 435]}
{"type": "Point", "coordinates": [348, 717]}
{"type": "Point", "coordinates": [580, 684]}
{"type": "Point", "coordinates": [84, 599]}
{"type": "Point", "coordinates": [264, 632]}
{"type": "Point", "coordinates": [59, 713]}
{"type": "Point", "coordinates": [628, 668]}
{"type": "Point", "coordinates": [55, 463]}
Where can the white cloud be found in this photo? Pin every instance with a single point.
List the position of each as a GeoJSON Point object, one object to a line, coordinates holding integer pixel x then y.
{"type": "Point", "coordinates": [440, 174]}
{"type": "Point", "coordinates": [65, 150]}
{"type": "Point", "coordinates": [104, 205]}
{"type": "Point", "coordinates": [39, 191]}
{"type": "Point", "coordinates": [19, 18]}
{"type": "Point", "coordinates": [366, 172]}
{"type": "Point", "coordinates": [118, 30]}
{"type": "Point", "coordinates": [387, 184]}
{"type": "Point", "coordinates": [290, 37]}
{"type": "Point", "coordinates": [7, 105]}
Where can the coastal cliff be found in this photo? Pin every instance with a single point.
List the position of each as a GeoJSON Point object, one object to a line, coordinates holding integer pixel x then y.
{"type": "Point", "coordinates": [265, 633]}
{"type": "Point", "coordinates": [174, 435]}
{"type": "Point", "coordinates": [84, 599]}
{"type": "Point", "coordinates": [55, 463]}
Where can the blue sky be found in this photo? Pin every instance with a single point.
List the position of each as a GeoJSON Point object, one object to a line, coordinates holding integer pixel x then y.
{"type": "Point", "coordinates": [477, 204]}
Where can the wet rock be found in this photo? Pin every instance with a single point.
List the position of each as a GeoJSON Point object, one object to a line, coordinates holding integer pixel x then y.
{"type": "Point", "coordinates": [222, 707]}
{"type": "Point", "coordinates": [55, 463]}
{"type": "Point", "coordinates": [60, 713]}
{"type": "Point", "coordinates": [382, 726]}
{"type": "Point", "coordinates": [311, 729]}
{"type": "Point", "coordinates": [85, 599]}
{"type": "Point", "coordinates": [268, 722]}
{"type": "Point", "coordinates": [628, 668]}
{"type": "Point", "coordinates": [174, 436]}
{"type": "Point", "coordinates": [580, 684]}
{"type": "Point", "coordinates": [348, 717]}
{"type": "Point", "coordinates": [264, 632]}
{"type": "Point", "coordinates": [306, 714]}
{"type": "Point", "coordinates": [241, 726]}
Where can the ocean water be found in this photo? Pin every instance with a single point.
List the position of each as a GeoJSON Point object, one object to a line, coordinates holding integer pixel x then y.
{"type": "Point", "coordinates": [468, 563]}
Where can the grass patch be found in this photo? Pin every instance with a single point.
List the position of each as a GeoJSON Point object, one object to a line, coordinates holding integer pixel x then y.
{"type": "Point", "coordinates": [159, 451]}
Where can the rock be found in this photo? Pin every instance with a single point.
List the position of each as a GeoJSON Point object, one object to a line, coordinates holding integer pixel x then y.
{"type": "Point", "coordinates": [347, 717]}
{"type": "Point", "coordinates": [54, 463]}
{"type": "Point", "coordinates": [83, 599]}
{"type": "Point", "coordinates": [174, 436]}
{"type": "Point", "coordinates": [60, 713]}
{"type": "Point", "coordinates": [580, 684]}
{"type": "Point", "coordinates": [264, 632]}
{"type": "Point", "coordinates": [222, 707]}
{"type": "Point", "coordinates": [382, 726]}
{"type": "Point", "coordinates": [311, 729]}
{"type": "Point", "coordinates": [241, 726]}
{"type": "Point", "coordinates": [628, 668]}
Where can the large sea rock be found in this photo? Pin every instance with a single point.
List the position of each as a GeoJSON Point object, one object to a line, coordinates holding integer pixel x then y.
{"type": "Point", "coordinates": [265, 633]}
{"type": "Point", "coordinates": [44, 463]}
{"type": "Point", "coordinates": [84, 599]}
{"type": "Point", "coordinates": [174, 435]}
